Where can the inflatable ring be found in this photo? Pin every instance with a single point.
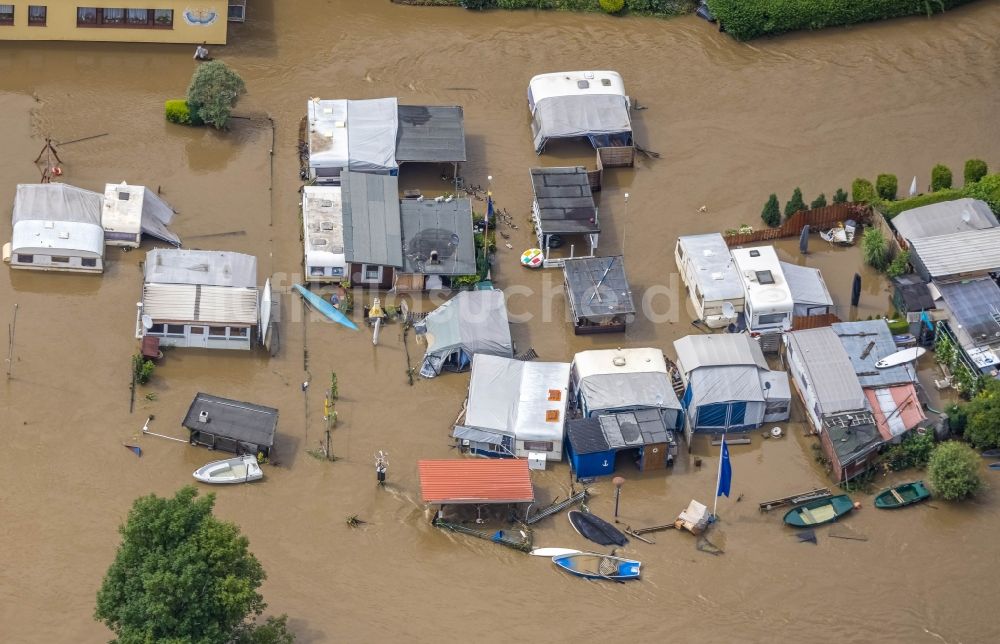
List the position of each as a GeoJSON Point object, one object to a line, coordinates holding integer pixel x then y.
{"type": "Point", "coordinates": [56, 171]}
{"type": "Point", "coordinates": [776, 432]}
{"type": "Point", "coordinates": [532, 258]}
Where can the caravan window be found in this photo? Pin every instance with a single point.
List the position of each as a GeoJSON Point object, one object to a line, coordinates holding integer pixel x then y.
{"type": "Point", "coordinates": [25, 259]}
{"type": "Point", "coordinates": [238, 332]}
{"type": "Point", "coordinates": [538, 446]}
{"type": "Point", "coordinates": [89, 262]}
{"type": "Point", "coordinates": [776, 407]}
{"type": "Point", "coordinates": [772, 318]}
{"type": "Point", "coordinates": [155, 329]}
{"type": "Point", "coordinates": [217, 332]}
{"type": "Point", "coordinates": [175, 329]}
{"type": "Point", "coordinates": [317, 271]}
{"type": "Point", "coordinates": [60, 260]}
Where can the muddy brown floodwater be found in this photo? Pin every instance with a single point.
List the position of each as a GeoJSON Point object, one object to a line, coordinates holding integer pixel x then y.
{"type": "Point", "coordinates": [733, 122]}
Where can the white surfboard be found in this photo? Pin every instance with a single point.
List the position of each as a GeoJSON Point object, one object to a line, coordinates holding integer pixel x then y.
{"type": "Point", "coordinates": [553, 552]}
{"type": "Point", "coordinates": [900, 357]}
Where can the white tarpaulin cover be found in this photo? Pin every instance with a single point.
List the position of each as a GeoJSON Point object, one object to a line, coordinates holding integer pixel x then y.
{"type": "Point", "coordinates": [523, 399]}
{"type": "Point", "coordinates": [619, 379]}
{"type": "Point", "coordinates": [358, 135]}
{"type": "Point", "coordinates": [156, 216]}
{"type": "Point", "coordinates": [578, 116]}
{"type": "Point", "coordinates": [808, 289]}
{"type": "Point", "coordinates": [471, 323]}
{"type": "Point", "coordinates": [57, 216]}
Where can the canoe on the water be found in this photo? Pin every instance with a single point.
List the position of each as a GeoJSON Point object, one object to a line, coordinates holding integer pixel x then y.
{"type": "Point", "coordinates": [819, 511]}
{"type": "Point", "coordinates": [596, 529]}
{"type": "Point", "coordinates": [324, 307]}
{"type": "Point", "coordinates": [902, 496]}
{"type": "Point", "coordinates": [592, 565]}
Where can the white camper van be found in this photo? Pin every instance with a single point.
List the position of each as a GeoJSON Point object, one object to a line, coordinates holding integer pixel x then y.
{"type": "Point", "coordinates": [711, 277]}
{"type": "Point", "coordinates": [323, 234]}
{"type": "Point", "coordinates": [768, 301]}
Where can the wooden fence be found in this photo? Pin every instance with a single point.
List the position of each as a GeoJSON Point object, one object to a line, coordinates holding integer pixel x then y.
{"type": "Point", "coordinates": [817, 219]}
{"type": "Point", "coordinates": [802, 322]}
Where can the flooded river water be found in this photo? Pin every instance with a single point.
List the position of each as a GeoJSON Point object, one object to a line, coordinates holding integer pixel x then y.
{"type": "Point", "coordinates": [733, 123]}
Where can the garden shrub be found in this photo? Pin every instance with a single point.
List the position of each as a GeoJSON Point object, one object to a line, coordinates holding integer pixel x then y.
{"type": "Point", "coordinates": [975, 169]}
{"type": "Point", "coordinates": [913, 451]}
{"type": "Point", "coordinates": [862, 191]}
{"type": "Point", "coordinates": [873, 248]}
{"type": "Point", "coordinates": [840, 196]}
{"type": "Point", "coordinates": [794, 204]}
{"type": "Point", "coordinates": [892, 208]}
{"type": "Point", "coordinates": [612, 6]}
{"type": "Point", "coordinates": [478, 4]}
{"type": "Point", "coordinates": [818, 202]}
{"type": "Point", "coordinates": [772, 212]}
{"type": "Point", "coordinates": [940, 177]}
{"type": "Point", "coordinates": [886, 186]}
{"type": "Point", "coordinates": [899, 265]}
{"type": "Point", "coordinates": [178, 112]}
{"type": "Point", "coordinates": [987, 189]}
{"type": "Point", "coordinates": [982, 417]}
{"type": "Point", "coordinates": [954, 471]}
{"type": "Point", "coordinates": [747, 19]}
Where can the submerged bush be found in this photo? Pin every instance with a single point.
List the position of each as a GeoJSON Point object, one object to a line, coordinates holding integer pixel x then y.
{"type": "Point", "coordinates": [178, 112]}
{"type": "Point", "coordinates": [478, 4]}
{"type": "Point", "coordinates": [940, 177]}
{"type": "Point", "coordinates": [747, 19]}
{"type": "Point", "coordinates": [954, 471]}
{"type": "Point", "coordinates": [975, 169]}
{"type": "Point", "coordinates": [612, 6]}
{"type": "Point", "coordinates": [213, 92]}
{"type": "Point", "coordinates": [886, 185]}
{"type": "Point", "coordinates": [862, 191]}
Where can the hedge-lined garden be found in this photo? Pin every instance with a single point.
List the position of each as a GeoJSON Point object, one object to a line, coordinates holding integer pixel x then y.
{"type": "Point", "coordinates": [748, 19]}
{"type": "Point", "coordinates": [635, 7]}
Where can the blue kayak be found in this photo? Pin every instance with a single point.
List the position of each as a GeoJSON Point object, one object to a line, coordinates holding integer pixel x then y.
{"type": "Point", "coordinates": [325, 307]}
{"type": "Point", "coordinates": [592, 565]}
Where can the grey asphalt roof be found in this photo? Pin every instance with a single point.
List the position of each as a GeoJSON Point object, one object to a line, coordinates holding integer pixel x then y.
{"type": "Point", "coordinates": [830, 371]}
{"type": "Point", "coordinates": [430, 134]}
{"type": "Point", "coordinates": [851, 443]}
{"type": "Point", "coordinates": [975, 305]}
{"type": "Point", "coordinates": [442, 226]}
{"type": "Point", "coordinates": [586, 436]}
{"type": "Point", "coordinates": [856, 337]}
{"type": "Point", "coordinates": [233, 419]}
{"type": "Point", "coordinates": [371, 218]}
{"type": "Point", "coordinates": [970, 251]}
{"type": "Point", "coordinates": [565, 201]}
{"type": "Point", "coordinates": [614, 297]}
{"type": "Point", "coordinates": [944, 218]}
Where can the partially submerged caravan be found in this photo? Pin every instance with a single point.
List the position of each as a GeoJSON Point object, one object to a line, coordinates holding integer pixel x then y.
{"type": "Point", "coordinates": [711, 277]}
{"type": "Point", "coordinates": [584, 104]}
{"type": "Point", "coordinates": [323, 234]}
{"type": "Point", "coordinates": [56, 227]}
{"type": "Point", "coordinates": [768, 301]}
{"type": "Point", "coordinates": [130, 211]}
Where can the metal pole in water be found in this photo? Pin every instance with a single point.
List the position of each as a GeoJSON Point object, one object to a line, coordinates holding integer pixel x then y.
{"type": "Point", "coordinates": [10, 342]}
{"type": "Point", "coordinates": [619, 482]}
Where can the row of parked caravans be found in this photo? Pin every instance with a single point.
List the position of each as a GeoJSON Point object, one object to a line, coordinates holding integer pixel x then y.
{"type": "Point", "coordinates": [745, 287]}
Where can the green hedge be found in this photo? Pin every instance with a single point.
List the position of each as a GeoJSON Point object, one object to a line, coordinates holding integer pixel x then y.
{"type": "Point", "coordinates": [642, 7]}
{"type": "Point", "coordinates": [747, 19]}
{"type": "Point", "coordinates": [892, 208]}
{"type": "Point", "coordinates": [177, 111]}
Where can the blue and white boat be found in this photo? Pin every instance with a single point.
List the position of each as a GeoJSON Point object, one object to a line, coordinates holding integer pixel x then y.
{"type": "Point", "coordinates": [324, 307]}
{"type": "Point", "coordinates": [593, 565]}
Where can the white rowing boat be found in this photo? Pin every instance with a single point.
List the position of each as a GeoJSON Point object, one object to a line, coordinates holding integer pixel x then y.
{"type": "Point", "coordinates": [242, 469]}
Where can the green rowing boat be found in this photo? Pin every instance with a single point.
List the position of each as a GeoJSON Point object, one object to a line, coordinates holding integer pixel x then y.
{"type": "Point", "coordinates": [902, 495]}
{"type": "Point", "coordinates": [819, 511]}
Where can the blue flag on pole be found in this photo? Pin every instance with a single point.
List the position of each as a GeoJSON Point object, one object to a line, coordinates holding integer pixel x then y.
{"type": "Point", "coordinates": [725, 472]}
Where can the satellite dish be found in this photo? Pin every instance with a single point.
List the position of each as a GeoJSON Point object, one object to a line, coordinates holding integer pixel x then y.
{"type": "Point", "coordinates": [147, 322]}
{"type": "Point", "coordinates": [728, 310]}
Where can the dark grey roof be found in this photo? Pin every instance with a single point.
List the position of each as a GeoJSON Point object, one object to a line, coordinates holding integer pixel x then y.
{"type": "Point", "coordinates": [430, 134]}
{"type": "Point", "coordinates": [371, 218]}
{"type": "Point", "coordinates": [873, 339]}
{"type": "Point", "coordinates": [633, 428]}
{"type": "Point", "coordinates": [852, 436]}
{"type": "Point", "coordinates": [597, 286]}
{"type": "Point", "coordinates": [975, 305]}
{"type": "Point", "coordinates": [233, 419]}
{"type": "Point", "coordinates": [586, 436]}
{"type": "Point", "coordinates": [444, 226]}
{"type": "Point", "coordinates": [914, 292]}
{"type": "Point", "coordinates": [565, 202]}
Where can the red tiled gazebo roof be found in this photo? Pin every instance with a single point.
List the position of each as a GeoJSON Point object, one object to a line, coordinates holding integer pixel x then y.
{"type": "Point", "coordinates": [475, 481]}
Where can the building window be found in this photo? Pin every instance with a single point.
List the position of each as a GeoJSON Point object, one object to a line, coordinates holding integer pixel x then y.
{"type": "Point", "coordinates": [175, 329]}
{"type": "Point", "coordinates": [217, 332]}
{"type": "Point", "coordinates": [772, 318]}
{"type": "Point", "coordinates": [6, 14]}
{"type": "Point", "coordinates": [238, 332]}
{"type": "Point", "coordinates": [25, 259]}
{"type": "Point", "coordinates": [60, 260]}
{"type": "Point", "coordinates": [88, 262]}
{"type": "Point", "coordinates": [317, 271]}
{"type": "Point", "coordinates": [371, 273]}
{"type": "Point", "coordinates": [156, 329]}
{"type": "Point", "coordinates": [128, 18]}
{"type": "Point", "coordinates": [36, 15]}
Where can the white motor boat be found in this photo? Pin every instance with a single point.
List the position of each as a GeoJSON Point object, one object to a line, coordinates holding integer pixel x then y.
{"type": "Point", "coordinates": [242, 469]}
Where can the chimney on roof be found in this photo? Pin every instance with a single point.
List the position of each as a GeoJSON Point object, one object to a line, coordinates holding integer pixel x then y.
{"type": "Point", "coordinates": [203, 417]}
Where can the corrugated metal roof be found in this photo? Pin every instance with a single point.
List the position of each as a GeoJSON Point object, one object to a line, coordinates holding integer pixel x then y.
{"type": "Point", "coordinates": [475, 481]}
{"type": "Point", "coordinates": [967, 252]}
{"type": "Point", "coordinates": [565, 201]}
{"type": "Point", "coordinates": [718, 350]}
{"type": "Point", "coordinates": [830, 371]}
{"type": "Point", "coordinates": [430, 134]}
{"type": "Point", "coordinates": [896, 409]}
{"type": "Point", "coordinates": [219, 305]}
{"type": "Point", "coordinates": [585, 275]}
{"type": "Point", "coordinates": [371, 218]}
{"type": "Point", "coordinates": [975, 308]}
{"type": "Point", "coordinates": [944, 218]}
{"type": "Point", "coordinates": [856, 338]}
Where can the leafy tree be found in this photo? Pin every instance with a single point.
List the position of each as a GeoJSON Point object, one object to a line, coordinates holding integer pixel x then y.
{"type": "Point", "coordinates": [913, 451]}
{"type": "Point", "coordinates": [975, 169]}
{"type": "Point", "coordinates": [862, 191]}
{"type": "Point", "coordinates": [272, 631]}
{"type": "Point", "coordinates": [940, 177]}
{"type": "Point", "coordinates": [873, 249]}
{"type": "Point", "coordinates": [840, 196]}
{"type": "Point", "coordinates": [886, 185]}
{"type": "Point", "coordinates": [819, 202]}
{"type": "Point", "coordinates": [982, 426]}
{"type": "Point", "coordinates": [213, 92]}
{"type": "Point", "coordinates": [987, 189]}
{"type": "Point", "coordinates": [772, 212]}
{"type": "Point", "coordinates": [181, 576]}
{"type": "Point", "coordinates": [794, 204]}
{"type": "Point", "coordinates": [954, 471]}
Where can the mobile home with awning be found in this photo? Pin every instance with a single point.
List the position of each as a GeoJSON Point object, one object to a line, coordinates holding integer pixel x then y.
{"type": "Point", "coordinates": [620, 380]}
{"type": "Point", "coordinates": [582, 104]}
